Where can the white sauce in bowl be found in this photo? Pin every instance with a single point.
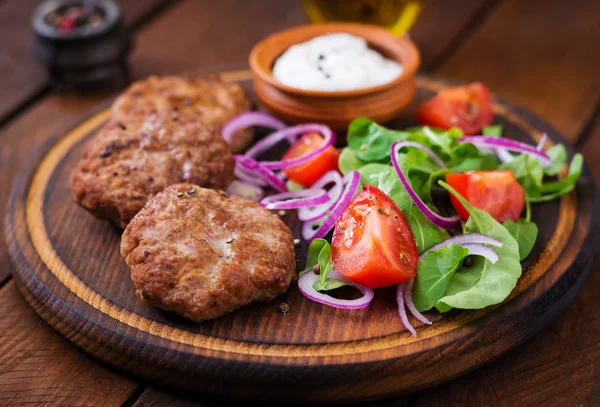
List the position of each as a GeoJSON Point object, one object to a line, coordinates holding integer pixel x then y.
{"type": "Point", "coordinates": [334, 62]}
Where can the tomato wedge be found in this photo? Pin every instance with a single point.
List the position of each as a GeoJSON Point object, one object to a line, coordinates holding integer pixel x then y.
{"type": "Point", "coordinates": [372, 242]}
{"type": "Point", "coordinates": [468, 107]}
{"type": "Point", "coordinates": [496, 192]}
{"type": "Point", "coordinates": [311, 171]}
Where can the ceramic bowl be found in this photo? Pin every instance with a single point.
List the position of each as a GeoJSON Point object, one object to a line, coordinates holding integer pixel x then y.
{"type": "Point", "coordinates": [337, 109]}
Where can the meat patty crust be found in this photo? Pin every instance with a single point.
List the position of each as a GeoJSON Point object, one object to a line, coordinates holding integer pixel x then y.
{"type": "Point", "coordinates": [216, 102]}
{"type": "Point", "coordinates": [126, 163]}
{"type": "Point", "coordinates": [204, 253]}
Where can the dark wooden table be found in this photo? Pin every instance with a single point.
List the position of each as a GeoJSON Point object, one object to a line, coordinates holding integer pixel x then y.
{"type": "Point", "coordinates": [541, 54]}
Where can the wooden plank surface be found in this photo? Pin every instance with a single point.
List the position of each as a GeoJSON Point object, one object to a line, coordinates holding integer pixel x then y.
{"type": "Point", "coordinates": [38, 369]}
{"type": "Point", "coordinates": [21, 76]}
{"type": "Point", "coordinates": [510, 35]}
{"type": "Point", "coordinates": [540, 54]}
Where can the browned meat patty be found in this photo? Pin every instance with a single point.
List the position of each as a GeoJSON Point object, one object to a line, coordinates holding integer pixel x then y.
{"type": "Point", "coordinates": [203, 253]}
{"type": "Point", "coordinates": [215, 101]}
{"type": "Point", "coordinates": [126, 163]}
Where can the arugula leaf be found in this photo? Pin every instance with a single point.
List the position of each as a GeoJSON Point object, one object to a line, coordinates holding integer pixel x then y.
{"type": "Point", "coordinates": [348, 161]}
{"type": "Point", "coordinates": [558, 155]}
{"type": "Point", "coordinates": [469, 158]}
{"type": "Point", "coordinates": [442, 142]}
{"type": "Point", "coordinates": [483, 283]}
{"type": "Point", "coordinates": [385, 178]}
{"type": "Point", "coordinates": [525, 233]}
{"type": "Point", "coordinates": [293, 185]}
{"type": "Point", "coordinates": [426, 233]}
{"type": "Point", "coordinates": [319, 252]}
{"type": "Point", "coordinates": [330, 284]}
{"type": "Point", "coordinates": [370, 141]}
{"type": "Point", "coordinates": [435, 270]}
{"type": "Point", "coordinates": [528, 172]}
{"type": "Point", "coordinates": [325, 265]}
{"type": "Point", "coordinates": [312, 257]}
{"type": "Point", "coordinates": [575, 169]}
{"type": "Point", "coordinates": [494, 130]}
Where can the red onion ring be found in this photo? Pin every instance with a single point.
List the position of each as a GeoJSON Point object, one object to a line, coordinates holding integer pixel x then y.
{"type": "Point", "coordinates": [251, 166]}
{"type": "Point", "coordinates": [351, 182]}
{"type": "Point", "coordinates": [503, 155]}
{"type": "Point", "coordinates": [466, 238]}
{"type": "Point", "coordinates": [511, 145]}
{"type": "Point", "coordinates": [305, 284]}
{"type": "Point", "coordinates": [248, 177]}
{"type": "Point", "coordinates": [246, 190]}
{"type": "Point", "coordinates": [421, 147]}
{"type": "Point", "coordinates": [479, 249]}
{"type": "Point", "coordinates": [542, 141]}
{"type": "Point", "coordinates": [402, 310]}
{"type": "Point", "coordinates": [408, 286]}
{"type": "Point", "coordinates": [296, 199]}
{"type": "Point", "coordinates": [438, 220]}
{"type": "Point", "coordinates": [293, 133]}
{"type": "Point", "coordinates": [249, 119]}
{"type": "Point", "coordinates": [312, 213]}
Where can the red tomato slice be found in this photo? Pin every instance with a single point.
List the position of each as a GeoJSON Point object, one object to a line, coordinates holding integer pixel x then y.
{"type": "Point", "coordinates": [468, 107]}
{"type": "Point", "coordinates": [309, 172]}
{"type": "Point", "coordinates": [496, 192]}
{"type": "Point", "coordinates": [372, 242]}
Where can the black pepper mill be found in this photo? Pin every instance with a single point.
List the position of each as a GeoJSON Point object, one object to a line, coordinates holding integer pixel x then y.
{"type": "Point", "coordinates": [84, 43]}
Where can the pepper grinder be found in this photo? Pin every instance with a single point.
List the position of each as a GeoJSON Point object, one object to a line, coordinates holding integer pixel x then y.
{"type": "Point", "coordinates": [83, 44]}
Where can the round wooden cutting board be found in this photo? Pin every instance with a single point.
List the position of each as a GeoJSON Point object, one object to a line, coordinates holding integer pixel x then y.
{"type": "Point", "coordinates": [69, 269]}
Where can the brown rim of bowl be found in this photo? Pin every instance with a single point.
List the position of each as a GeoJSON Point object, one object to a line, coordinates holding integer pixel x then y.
{"type": "Point", "coordinates": [376, 37]}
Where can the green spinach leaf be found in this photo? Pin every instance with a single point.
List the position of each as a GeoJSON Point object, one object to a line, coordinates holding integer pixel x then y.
{"type": "Point", "coordinates": [319, 252]}
{"type": "Point", "coordinates": [435, 270]}
{"type": "Point", "coordinates": [348, 161]}
{"type": "Point", "coordinates": [528, 172]}
{"type": "Point", "coordinates": [426, 233]}
{"type": "Point", "coordinates": [525, 233]}
{"type": "Point", "coordinates": [370, 141]}
{"type": "Point", "coordinates": [575, 169]}
{"type": "Point", "coordinates": [312, 257]}
{"type": "Point", "coordinates": [483, 283]}
{"type": "Point", "coordinates": [558, 155]}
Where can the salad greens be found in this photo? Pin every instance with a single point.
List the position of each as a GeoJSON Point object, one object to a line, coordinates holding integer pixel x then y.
{"type": "Point", "coordinates": [319, 252]}
{"type": "Point", "coordinates": [483, 283]}
{"type": "Point", "coordinates": [444, 280]}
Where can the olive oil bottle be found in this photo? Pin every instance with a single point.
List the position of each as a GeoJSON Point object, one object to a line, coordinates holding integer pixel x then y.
{"type": "Point", "coordinates": [395, 15]}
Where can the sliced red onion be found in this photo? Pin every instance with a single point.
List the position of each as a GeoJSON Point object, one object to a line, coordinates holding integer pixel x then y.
{"type": "Point", "coordinates": [402, 310]}
{"type": "Point", "coordinates": [451, 222]}
{"type": "Point", "coordinates": [421, 147]}
{"type": "Point", "coordinates": [251, 166]}
{"type": "Point", "coordinates": [294, 132]}
{"type": "Point", "coordinates": [296, 199]}
{"type": "Point", "coordinates": [306, 282]}
{"type": "Point", "coordinates": [479, 249]}
{"type": "Point", "coordinates": [542, 141]}
{"type": "Point", "coordinates": [249, 119]}
{"type": "Point", "coordinates": [248, 177]}
{"type": "Point", "coordinates": [503, 155]}
{"type": "Point", "coordinates": [511, 145]}
{"type": "Point", "coordinates": [408, 286]}
{"type": "Point", "coordinates": [312, 213]}
{"type": "Point", "coordinates": [461, 240]}
{"type": "Point", "coordinates": [245, 190]}
{"type": "Point", "coordinates": [351, 182]}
